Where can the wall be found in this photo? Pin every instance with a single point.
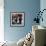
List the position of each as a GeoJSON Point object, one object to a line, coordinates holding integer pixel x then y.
{"type": "Point", "coordinates": [43, 6]}
{"type": "Point", "coordinates": [30, 7]}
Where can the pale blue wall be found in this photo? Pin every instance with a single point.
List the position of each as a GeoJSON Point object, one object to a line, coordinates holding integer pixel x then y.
{"type": "Point", "coordinates": [30, 7]}
{"type": "Point", "coordinates": [43, 6]}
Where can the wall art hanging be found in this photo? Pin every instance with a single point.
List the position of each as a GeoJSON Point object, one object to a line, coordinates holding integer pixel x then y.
{"type": "Point", "coordinates": [17, 19]}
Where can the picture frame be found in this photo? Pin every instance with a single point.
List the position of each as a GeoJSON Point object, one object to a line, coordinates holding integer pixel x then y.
{"type": "Point", "coordinates": [17, 19]}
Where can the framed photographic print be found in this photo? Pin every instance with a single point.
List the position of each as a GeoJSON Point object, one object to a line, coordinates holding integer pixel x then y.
{"type": "Point", "coordinates": [17, 19]}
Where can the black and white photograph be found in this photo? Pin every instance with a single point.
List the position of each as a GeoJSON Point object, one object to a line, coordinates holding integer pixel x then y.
{"type": "Point", "coordinates": [17, 19]}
